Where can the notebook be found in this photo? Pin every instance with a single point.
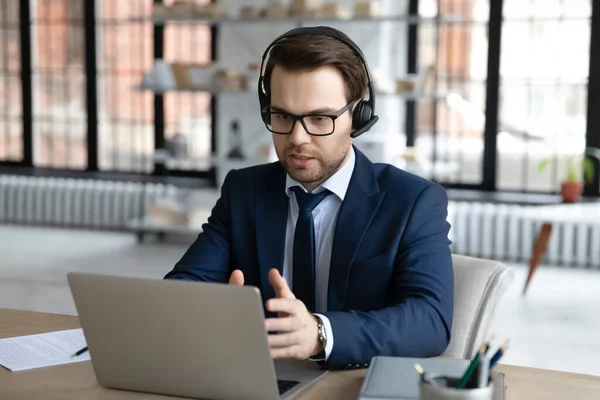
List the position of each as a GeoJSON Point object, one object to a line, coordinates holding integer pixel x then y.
{"type": "Point", "coordinates": [395, 378]}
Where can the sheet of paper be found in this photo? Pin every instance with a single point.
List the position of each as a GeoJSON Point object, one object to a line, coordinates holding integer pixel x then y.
{"type": "Point", "coordinates": [42, 350]}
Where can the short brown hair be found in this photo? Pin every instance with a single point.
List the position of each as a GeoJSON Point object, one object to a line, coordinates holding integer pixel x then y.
{"type": "Point", "coordinates": [309, 52]}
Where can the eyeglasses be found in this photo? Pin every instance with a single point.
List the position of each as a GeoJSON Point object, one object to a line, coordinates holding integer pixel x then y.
{"type": "Point", "coordinates": [314, 124]}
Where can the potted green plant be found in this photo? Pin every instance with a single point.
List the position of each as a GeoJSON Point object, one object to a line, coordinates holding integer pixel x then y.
{"type": "Point", "coordinates": [579, 169]}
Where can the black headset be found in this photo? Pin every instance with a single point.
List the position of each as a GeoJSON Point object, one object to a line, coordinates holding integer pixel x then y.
{"type": "Point", "coordinates": [363, 117]}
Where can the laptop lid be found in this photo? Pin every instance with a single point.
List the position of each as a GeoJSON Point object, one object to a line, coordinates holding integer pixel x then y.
{"type": "Point", "coordinates": [178, 338]}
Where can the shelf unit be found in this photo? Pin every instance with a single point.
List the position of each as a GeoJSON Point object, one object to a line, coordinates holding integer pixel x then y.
{"type": "Point", "coordinates": [219, 161]}
{"type": "Point", "coordinates": [404, 95]}
{"type": "Point", "coordinates": [370, 143]}
{"type": "Point", "coordinates": [411, 20]}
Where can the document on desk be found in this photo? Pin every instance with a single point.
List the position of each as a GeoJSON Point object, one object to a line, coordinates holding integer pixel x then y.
{"type": "Point", "coordinates": [42, 350]}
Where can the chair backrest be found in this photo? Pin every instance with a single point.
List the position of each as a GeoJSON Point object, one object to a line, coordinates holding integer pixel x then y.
{"type": "Point", "coordinates": [479, 285]}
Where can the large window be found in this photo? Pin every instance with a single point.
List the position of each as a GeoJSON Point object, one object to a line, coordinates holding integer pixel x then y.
{"type": "Point", "coordinates": [451, 129]}
{"type": "Point", "coordinates": [59, 113]}
{"type": "Point", "coordinates": [11, 133]}
{"type": "Point", "coordinates": [67, 51]}
{"type": "Point", "coordinates": [505, 88]}
{"type": "Point", "coordinates": [187, 115]}
{"type": "Point", "coordinates": [125, 114]}
{"type": "Point", "coordinates": [543, 93]}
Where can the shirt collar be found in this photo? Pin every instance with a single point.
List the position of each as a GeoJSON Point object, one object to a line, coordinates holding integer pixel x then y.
{"type": "Point", "coordinates": [337, 183]}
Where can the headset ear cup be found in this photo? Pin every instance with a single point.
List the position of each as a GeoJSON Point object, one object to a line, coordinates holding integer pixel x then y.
{"type": "Point", "coordinates": [361, 115]}
{"type": "Point", "coordinates": [263, 100]}
{"type": "Point", "coordinates": [366, 114]}
{"type": "Point", "coordinates": [356, 115]}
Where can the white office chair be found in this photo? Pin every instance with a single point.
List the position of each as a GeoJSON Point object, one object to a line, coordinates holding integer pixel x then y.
{"type": "Point", "coordinates": [479, 285]}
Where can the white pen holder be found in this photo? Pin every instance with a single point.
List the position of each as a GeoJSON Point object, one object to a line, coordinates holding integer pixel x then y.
{"type": "Point", "coordinates": [445, 389]}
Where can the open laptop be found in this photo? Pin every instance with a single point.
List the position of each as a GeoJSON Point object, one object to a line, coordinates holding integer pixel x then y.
{"type": "Point", "coordinates": [189, 339]}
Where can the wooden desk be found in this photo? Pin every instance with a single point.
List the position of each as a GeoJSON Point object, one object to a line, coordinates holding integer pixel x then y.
{"type": "Point", "coordinates": [77, 381]}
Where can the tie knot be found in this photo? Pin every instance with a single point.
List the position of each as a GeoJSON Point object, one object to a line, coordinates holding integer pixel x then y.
{"type": "Point", "coordinates": [308, 201]}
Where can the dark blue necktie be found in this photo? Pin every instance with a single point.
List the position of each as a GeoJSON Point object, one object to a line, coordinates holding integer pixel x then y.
{"type": "Point", "coordinates": [304, 247]}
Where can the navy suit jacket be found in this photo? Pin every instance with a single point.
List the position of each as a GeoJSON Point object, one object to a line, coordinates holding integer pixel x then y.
{"type": "Point", "coordinates": [391, 286]}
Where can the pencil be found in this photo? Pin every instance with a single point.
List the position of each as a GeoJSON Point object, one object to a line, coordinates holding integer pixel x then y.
{"type": "Point", "coordinates": [424, 376]}
{"type": "Point", "coordinates": [419, 370]}
{"type": "Point", "coordinates": [472, 366]}
{"type": "Point", "coordinates": [487, 344]}
{"type": "Point", "coordinates": [496, 357]}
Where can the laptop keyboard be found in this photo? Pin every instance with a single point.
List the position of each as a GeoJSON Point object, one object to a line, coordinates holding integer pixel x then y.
{"type": "Point", "coordinates": [284, 386]}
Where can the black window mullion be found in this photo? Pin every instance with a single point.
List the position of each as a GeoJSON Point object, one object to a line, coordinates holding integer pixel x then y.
{"type": "Point", "coordinates": [492, 95]}
{"type": "Point", "coordinates": [91, 74]}
{"type": "Point", "coordinates": [212, 173]}
{"type": "Point", "coordinates": [410, 125]}
{"type": "Point", "coordinates": [592, 137]}
{"type": "Point", "coordinates": [26, 81]}
{"type": "Point", "coordinates": [159, 105]}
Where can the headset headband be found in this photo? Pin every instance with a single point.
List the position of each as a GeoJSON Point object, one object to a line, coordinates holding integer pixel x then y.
{"type": "Point", "coordinates": [330, 32]}
{"type": "Point", "coordinates": [323, 31]}
{"type": "Point", "coordinates": [363, 117]}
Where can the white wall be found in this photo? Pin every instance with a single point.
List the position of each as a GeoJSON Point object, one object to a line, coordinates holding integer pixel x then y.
{"type": "Point", "coordinates": [383, 43]}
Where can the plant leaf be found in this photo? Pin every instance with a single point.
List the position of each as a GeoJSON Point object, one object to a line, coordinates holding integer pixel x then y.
{"type": "Point", "coordinates": [589, 170]}
{"type": "Point", "coordinates": [572, 170]}
{"type": "Point", "coordinates": [572, 176]}
{"type": "Point", "coordinates": [542, 165]}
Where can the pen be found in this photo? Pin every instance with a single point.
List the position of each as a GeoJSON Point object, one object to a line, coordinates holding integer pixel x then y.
{"type": "Point", "coordinates": [80, 352]}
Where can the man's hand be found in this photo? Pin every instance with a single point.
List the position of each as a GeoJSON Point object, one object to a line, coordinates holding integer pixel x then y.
{"type": "Point", "coordinates": [237, 278]}
{"type": "Point", "coordinates": [298, 337]}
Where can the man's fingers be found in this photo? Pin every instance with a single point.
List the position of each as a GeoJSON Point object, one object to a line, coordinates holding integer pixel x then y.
{"type": "Point", "coordinates": [288, 306]}
{"type": "Point", "coordinates": [283, 339]}
{"type": "Point", "coordinates": [237, 278]}
{"type": "Point", "coordinates": [287, 324]}
{"type": "Point", "coordinates": [287, 352]}
{"type": "Point", "coordinates": [282, 290]}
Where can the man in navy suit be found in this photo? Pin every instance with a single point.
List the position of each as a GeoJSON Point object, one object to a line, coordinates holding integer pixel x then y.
{"type": "Point", "coordinates": [352, 258]}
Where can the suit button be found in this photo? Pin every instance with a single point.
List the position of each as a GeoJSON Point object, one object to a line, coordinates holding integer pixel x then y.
{"type": "Point", "coordinates": [366, 365]}
{"type": "Point", "coordinates": [357, 366]}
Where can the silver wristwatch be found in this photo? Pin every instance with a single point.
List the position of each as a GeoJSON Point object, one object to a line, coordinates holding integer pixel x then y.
{"type": "Point", "coordinates": [322, 332]}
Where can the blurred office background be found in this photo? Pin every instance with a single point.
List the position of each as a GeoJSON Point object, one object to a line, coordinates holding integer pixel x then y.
{"type": "Point", "coordinates": [120, 119]}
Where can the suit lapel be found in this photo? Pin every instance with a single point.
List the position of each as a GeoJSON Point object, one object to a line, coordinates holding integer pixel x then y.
{"type": "Point", "coordinates": [271, 221]}
{"type": "Point", "coordinates": [360, 205]}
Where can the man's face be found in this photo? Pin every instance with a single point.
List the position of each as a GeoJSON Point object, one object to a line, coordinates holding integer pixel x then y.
{"type": "Point", "coordinates": [308, 159]}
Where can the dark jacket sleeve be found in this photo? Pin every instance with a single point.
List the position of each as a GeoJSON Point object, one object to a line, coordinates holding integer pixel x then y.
{"type": "Point", "coordinates": [419, 323]}
{"type": "Point", "coordinates": [207, 259]}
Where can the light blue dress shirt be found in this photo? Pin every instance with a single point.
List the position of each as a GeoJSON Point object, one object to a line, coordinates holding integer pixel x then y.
{"type": "Point", "coordinates": [325, 218]}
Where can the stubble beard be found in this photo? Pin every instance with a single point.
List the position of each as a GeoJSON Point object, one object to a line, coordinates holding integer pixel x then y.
{"type": "Point", "coordinates": [320, 175]}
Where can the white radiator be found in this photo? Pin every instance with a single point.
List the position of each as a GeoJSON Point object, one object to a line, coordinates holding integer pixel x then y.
{"type": "Point", "coordinates": [495, 231]}
{"type": "Point", "coordinates": [80, 203]}
{"type": "Point", "coordinates": [485, 230]}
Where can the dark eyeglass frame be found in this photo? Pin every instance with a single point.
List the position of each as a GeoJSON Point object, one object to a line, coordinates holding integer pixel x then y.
{"type": "Point", "coordinates": [301, 119]}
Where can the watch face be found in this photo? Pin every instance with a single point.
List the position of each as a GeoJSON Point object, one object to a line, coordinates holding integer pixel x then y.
{"type": "Point", "coordinates": [322, 335]}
